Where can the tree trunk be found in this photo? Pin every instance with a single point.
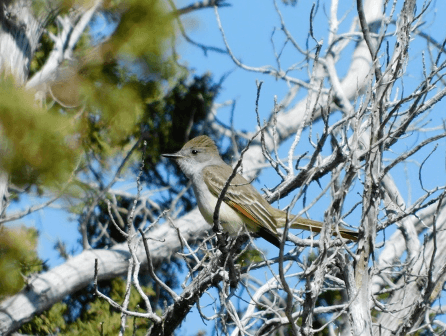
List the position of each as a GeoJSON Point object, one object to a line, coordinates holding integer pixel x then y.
{"type": "Point", "coordinates": [20, 32]}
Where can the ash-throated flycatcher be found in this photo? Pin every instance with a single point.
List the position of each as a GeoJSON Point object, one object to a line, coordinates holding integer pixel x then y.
{"type": "Point", "coordinates": [242, 204]}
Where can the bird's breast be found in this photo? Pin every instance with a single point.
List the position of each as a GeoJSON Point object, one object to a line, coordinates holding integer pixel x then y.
{"type": "Point", "coordinates": [230, 219]}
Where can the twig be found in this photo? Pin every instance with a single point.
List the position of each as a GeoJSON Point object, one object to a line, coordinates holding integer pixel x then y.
{"type": "Point", "coordinates": [152, 271]}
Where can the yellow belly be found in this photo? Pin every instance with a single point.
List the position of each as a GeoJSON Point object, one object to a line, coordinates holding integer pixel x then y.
{"type": "Point", "coordinates": [230, 220]}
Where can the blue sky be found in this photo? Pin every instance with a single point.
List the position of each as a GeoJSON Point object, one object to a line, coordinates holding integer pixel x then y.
{"type": "Point", "coordinates": [249, 27]}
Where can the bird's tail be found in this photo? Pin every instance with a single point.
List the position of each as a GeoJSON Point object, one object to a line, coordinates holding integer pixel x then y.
{"type": "Point", "coordinates": [315, 226]}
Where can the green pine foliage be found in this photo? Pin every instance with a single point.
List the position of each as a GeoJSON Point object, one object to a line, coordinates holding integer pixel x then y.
{"type": "Point", "coordinates": [38, 147]}
{"type": "Point", "coordinates": [18, 258]}
{"type": "Point", "coordinates": [250, 256]}
{"type": "Point", "coordinates": [144, 28]}
{"type": "Point", "coordinates": [103, 89]}
{"type": "Point", "coordinates": [98, 319]}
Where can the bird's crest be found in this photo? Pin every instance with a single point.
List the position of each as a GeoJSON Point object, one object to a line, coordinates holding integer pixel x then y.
{"type": "Point", "coordinates": [202, 141]}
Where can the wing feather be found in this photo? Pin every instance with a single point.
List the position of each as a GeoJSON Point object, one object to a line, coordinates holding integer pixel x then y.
{"type": "Point", "coordinates": [241, 196]}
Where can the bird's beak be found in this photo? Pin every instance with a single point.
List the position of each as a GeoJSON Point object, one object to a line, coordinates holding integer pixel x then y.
{"type": "Point", "coordinates": [173, 156]}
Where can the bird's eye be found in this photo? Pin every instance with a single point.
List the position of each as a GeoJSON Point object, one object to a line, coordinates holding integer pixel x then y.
{"type": "Point", "coordinates": [194, 151]}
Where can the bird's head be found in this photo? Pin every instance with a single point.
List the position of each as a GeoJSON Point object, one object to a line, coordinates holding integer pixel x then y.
{"type": "Point", "coordinates": [195, 155]}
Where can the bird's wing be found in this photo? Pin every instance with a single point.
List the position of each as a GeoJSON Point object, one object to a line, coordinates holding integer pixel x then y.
{"type": "Point", "coordinates": [246, 200]}
{"type": "Point", "coordinates": [240, 196]}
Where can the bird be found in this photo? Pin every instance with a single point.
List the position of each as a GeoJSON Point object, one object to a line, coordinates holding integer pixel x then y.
{"type": "Point", "coordinates": [242, 205]}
